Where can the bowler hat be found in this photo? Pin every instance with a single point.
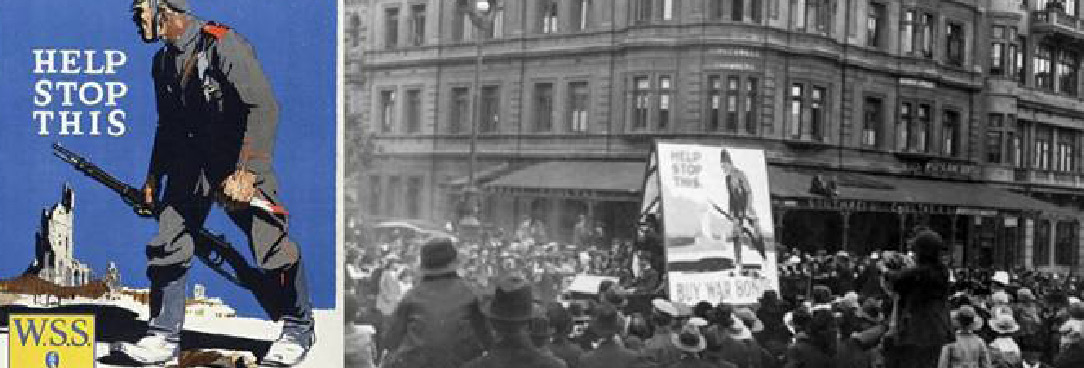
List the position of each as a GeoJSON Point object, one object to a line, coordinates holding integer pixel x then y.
{"type": "Point", "coordinates": [607, 321]}
{"type": "Point", "coordinates": [512, 301]}
{"type": "Point", "coordinates": [439, 256]}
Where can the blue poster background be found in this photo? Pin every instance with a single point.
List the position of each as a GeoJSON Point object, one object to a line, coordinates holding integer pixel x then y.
{"type": "Point", "coordinates": [295, 41]}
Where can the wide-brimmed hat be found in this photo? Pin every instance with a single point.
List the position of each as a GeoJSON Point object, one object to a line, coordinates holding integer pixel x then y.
{"type": "Point", "coordinates": [438, 256]}
{"type": "Point", "coordinates": [664, 306]}
{"type": "Point", "coordinates": [967, 311]}
{"type": "Point", "coordinates": [607, 321]}
{"type": "Point", "coordinates": [689, 339]}
{"type": "Point", "coordinates": [1004, 324]}
{"type": "Point", "coordinates": [512, 300]}
{"type": "Point", "coordinates": [749, 319]}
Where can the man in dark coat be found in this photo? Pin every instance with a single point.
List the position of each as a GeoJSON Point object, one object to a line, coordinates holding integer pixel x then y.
{"type": "Point", "coordinates": [660, 349]}
{"type": "Point", "coordinates": [923, 324]}
{"type": "Point", "coordinates": [561, 322]}
{"type": "Point", "coordinates": [607, 324]}
{"type": "Point", "coordinates": [439, 322]}
{"type": "Point", "coordinates": [509, 312]}
{"type": "Point", "coordinates": [217, 122]}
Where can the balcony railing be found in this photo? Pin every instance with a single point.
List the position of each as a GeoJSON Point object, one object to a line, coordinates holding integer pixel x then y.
{"type": "Point", "coordinates": [1057, 20]}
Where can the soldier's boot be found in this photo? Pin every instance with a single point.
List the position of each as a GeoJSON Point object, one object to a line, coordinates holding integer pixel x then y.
{"type": "Point", "coordinates": [298, 328]}
{"type": "Point", "coordinates": [150, 350]}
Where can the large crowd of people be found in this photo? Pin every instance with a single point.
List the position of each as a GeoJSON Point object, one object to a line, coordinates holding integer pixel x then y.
{"type": "Point", "coordinates": [499, 305]}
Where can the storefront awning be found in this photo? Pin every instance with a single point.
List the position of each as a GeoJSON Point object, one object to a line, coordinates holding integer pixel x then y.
{"type": "Point", "coordinates": [794, 183]}
{"type": "Point", "coordinates": [618, 180]}
{"type": "Point", "coordinates": [481, 176]}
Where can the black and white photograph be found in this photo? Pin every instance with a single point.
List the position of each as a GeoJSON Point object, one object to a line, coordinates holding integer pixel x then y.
{"type": "Point", "coordinates": [712, 183]}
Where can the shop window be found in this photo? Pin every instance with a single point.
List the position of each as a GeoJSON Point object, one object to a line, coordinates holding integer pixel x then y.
{"type": "Point", "coordinates": [413, 197]}
{"type": "Point", "coordinates": [1041, 245]}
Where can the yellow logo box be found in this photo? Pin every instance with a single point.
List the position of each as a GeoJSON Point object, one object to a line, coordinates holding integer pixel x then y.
{"type": "Point", "coordinates": [51, 341]}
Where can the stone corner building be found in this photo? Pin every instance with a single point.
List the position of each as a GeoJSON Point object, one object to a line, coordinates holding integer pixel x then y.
{"type": "Point", "coordinates": [966, 116]}
{"type": "Point", "coordinates": [54, 247]}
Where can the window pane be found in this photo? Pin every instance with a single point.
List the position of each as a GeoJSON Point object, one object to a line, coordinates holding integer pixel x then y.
{"type": "Point", "coordinates": [751, 106]}
{"type": "Point", "coordinates": [665, 94]}
{"type": "Point", "coordinates": [871, 121]}
{"type": "Point", "coordinates": [391, 27]}
{"type": "Point", "coordinates": [732, 104]}
{"type": "Point", "coordinates": [490, 109]}
{"type": "Point", "coordinates": [796, 111]}
{"type": "Point", "coordinates": [387, 111]}
{"type": "Point", "coordinates": [543, 107]}
{"type": "Point", "coordinates": [715, 96]}
{"type": "Point", "coordinates": [641, 102]}
{"type": "Point", "coordinates": [578, 102]}
{"type": "Point", "coordinates": [414, 111]}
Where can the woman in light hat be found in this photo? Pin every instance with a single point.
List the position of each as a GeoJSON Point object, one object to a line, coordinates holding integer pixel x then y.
{"type": "Point", "coordinates": [1004, 352]}
{"type": "Point", "coordinates": [969, 350]}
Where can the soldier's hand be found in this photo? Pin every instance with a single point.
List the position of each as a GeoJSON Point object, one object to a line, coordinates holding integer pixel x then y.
{"type": "Point", "coordinates": [150, 191]}
{"type": "Point", "coordinates": [238, 189]}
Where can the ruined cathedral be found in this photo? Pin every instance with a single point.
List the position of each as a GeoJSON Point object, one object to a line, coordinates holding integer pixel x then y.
{"type": "Point", "coordinates": [54, 258]}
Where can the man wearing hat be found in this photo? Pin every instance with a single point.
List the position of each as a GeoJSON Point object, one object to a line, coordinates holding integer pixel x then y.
{"type": "Point", "coordinates": [510, 311]}
{"type": "Point", "coordinates": [660, 349]}
{"type": "Point", "coordinates": [217, 121]}
{"type": "Point", "coordinates": [691, 343]}
{"type": "Point", "coordinates": [438, 323]}
{"type": "Point", "coordinates": [607, 323]}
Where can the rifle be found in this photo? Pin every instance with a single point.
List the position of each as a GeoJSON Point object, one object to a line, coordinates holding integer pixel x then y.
{"type": "Point", "coordinates": [211, 248]}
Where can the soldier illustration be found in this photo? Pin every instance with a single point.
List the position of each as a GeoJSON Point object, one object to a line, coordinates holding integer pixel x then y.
{"type": "Point", "coordinates": [217, 119]}
{"type": "Point", "coordinates": [740, 210]}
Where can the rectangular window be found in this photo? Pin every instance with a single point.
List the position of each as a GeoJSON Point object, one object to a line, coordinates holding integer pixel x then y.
{"type": "Point", "coordinates": [1016, 145]}
{"type": "Point", "coordinates": [817, 110]}
{"type": "Point", "coordinates": [737, 10]}
{"type": "Point", "coordinates": [387, 111]}
{"type": "Point", "coordinates": [1041, 154]}
{"type": "Point", "coordinates": [578, 99]}
{"type": "Point", "coordinates": [754, 10]}
{"type": "Point", "coordinates": [641, 102]}
{"type": "Point", "coordinates": [903, 127]}
{"type": "Point", "coordinates": [581, 14]}
{"type": "Point", "coordinates": [413, 111]}
{"type": "Point", "coordinates": [1043, 77]}
{"type": "Point", "coordinates": [950, 134]}
{"type": "Point", "coordinates": [996, 60]}
{"type": "Point", "coordinates": [543, 107]}
{"type": "Point", "coordinates": [1067, 72]}
{"type": "Point", "coordinates": [954, 44]}
{"type": "Point", "coordinates": [816, 14]}
{"type": "Point", "coordinates": [667, 9]}
{"type": "Point", "coordinates": [715, 9]}
{"type": "Point", "coordinates": [1066, 150]}
{"type": "Point", "coordinates": [927, 35]}
{"type": "Point", "coordinates": [417, 25]}
{"type": "Point", "coordinates": [496, 30]}
{"type": "Point", "coordinates": [643, 10]}
{"type": "Point", "coordinates": [797, 14]}
{"type": "Point", "coordinates": [548, 12]}
{"type": "Point", "coordinates": [1010, 61]}
{"type": "Point", "coordinates": [715, 102]}
{"type": "Point", "coordinates": [391, 28]}
{"type": "Point", "coordinates": [732, 104]}
{"type": "Point", "coordinates": [907, 35]}
{"type": "Point", "coordinates": [1021, 62]}
{"type": "Point", "coordinates": [394, 197]}
{"type": "Point", "coordinates": [414, 197]}
{"type": "Point", "coordinates": [375, 195]}
{"type": "Point", "coordinates": [490, 110]}
{"type": "Point", "coordinates": [796, 108]}
{"type": "Point", "coordinates": [1065, 251]}
{"type": "Point", "coordinates": [871, 121]}
{"type": "Point", "coordinates": [1041, 255]}
{"type": "Point", "coordinates": [922, 133]}
{"type": "Point", "coordinates": [994, 143]}
{"type": "Point", "coordinates": [460, 111]}
{"type": "Point", "coordinates": [874, 21]}
{"type": "Point", "coordinates": [751, 106]}
{"type": "Point", "coordinates": [665, 96]}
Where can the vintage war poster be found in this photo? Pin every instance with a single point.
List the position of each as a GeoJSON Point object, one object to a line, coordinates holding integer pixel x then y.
{"type": "Point", "coordinates": [168, 184]}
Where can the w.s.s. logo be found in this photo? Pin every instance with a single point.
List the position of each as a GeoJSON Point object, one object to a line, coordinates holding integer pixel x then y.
{"type": "Point", "coordinates": [37, 340]}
